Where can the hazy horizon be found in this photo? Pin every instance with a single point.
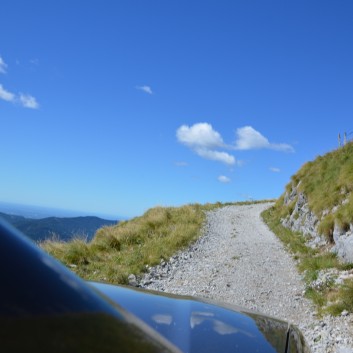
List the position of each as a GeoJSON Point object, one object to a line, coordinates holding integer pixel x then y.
{"type": "Point", "coordinates": [37, 212]}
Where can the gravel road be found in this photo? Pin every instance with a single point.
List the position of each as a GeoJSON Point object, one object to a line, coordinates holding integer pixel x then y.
{"type": "Point", "coordinates": [238, 260]}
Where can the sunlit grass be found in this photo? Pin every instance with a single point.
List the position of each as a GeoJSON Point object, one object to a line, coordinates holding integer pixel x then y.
{"type": "Point", "coordinates": [327, 182]}
{"type": "Point", "coordinates": [116, 251]}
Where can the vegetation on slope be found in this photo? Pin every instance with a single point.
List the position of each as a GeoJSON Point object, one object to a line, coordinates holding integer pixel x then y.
{"type": "Point", "coordinates": [311, 261]}
{"type": "Point", "coordinates": [327, 182]}
{"type": "Point", "coordinates": [117, 251]}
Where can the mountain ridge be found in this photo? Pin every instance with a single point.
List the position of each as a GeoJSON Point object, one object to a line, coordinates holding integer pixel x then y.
{"type": "Point", "coordinates": [62, 228]}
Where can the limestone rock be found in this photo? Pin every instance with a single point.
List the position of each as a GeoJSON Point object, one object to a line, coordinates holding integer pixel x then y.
{"type": "Point", "coordinates": [132, 280]}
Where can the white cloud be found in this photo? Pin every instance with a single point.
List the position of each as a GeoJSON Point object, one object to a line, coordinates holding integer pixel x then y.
{"type": "Point", "coordinates": [146, 89]}
{"type": "Point", "coordinates": [6, 95]}
{"type": "Point", "coordinates": [25, 100]}
{"type": "Point", "coordinates": [224, 179]}
{"type": "Point", "coordinates": [275, 170]}
{"type": "Point", "coordinates": [3, 66]}
{"type": "Point", "coordinates": [215, 155]}
{"type": "Point", "coordinates": [207, 142]}
{"type": "Point", "coordinates": [28, 101]}
{"type": "Point", "coordinates": [199, 135]}
{"type": "Point", "coordinates": [203, 140]}
{"type": "Point", "coordinates": [248, 138]}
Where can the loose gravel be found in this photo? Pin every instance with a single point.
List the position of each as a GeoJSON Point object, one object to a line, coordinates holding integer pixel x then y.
{"type": "Point", "coordinates": [238, 260]}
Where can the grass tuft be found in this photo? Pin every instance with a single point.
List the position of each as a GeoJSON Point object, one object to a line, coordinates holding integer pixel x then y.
{"type": "Point", "coordinates": [343, 299]}
{"type": "Point", "coordinates": [313, 264]}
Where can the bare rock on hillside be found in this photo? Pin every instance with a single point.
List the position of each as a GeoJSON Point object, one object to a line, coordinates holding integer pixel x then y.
{"type": "Point", "coordinates": [343, 239]}
{"type": "Point", "coordinates": [303, 219]}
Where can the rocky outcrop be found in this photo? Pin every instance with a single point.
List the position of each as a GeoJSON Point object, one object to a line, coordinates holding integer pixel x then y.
{"type": "Point", "coordinates": [300, 218]}
{"type": "Point", "coordinates": [343, 239]}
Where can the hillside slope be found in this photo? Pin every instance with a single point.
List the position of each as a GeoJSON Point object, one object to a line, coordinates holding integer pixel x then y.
{"type": "Point", "coordinates": [318, 202]}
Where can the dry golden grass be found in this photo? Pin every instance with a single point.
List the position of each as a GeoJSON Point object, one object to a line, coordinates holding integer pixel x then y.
{"type": "Point", "coordinates": [117, 251]}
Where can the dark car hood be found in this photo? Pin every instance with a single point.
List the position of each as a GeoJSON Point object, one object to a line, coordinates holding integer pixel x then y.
{"type": "Point", "coordinates": [199, 325]}
{"type": "Point", "coordinates": [46, 308]}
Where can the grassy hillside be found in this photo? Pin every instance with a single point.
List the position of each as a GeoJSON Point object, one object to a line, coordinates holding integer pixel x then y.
{"type": "Point", "coordinates": [117, 251]}
{"type": "Point", "coordinates": [327, 183]}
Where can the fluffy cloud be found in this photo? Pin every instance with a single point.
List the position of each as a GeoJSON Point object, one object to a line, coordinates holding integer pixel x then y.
{"type": "Point", "coordinates": [223, 179]}
{"type": "Point", "coordinates": [248, 138]}
{"type": "Point", "coordinates": [3, 66]}
{"type": "Point", "coordinates": [208, 143]}
{"type": "Point", "coordinates": [199, 135]}
{"type": "Point", "coordinates": [204, 141]}
{"type": "Point", "coordinates": [6, 95]}
{"type": "Point", "coordinates": [275, 170]}
{"type": "Point", "coordinates": [146, 89]}
{"type": "Point", "coordinates": [28, 101]}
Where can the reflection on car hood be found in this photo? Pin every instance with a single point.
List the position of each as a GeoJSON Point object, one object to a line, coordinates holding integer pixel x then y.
{"type": "Point", "coordinates": [199, 325]}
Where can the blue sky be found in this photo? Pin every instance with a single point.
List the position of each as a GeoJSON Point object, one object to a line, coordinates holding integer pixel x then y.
{"type": "Point", "coordinates": [117, 106]}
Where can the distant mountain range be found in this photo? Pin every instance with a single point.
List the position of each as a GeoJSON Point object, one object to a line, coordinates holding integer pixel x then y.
{"type": "Point", "coordinates": [64, 228]}
{"type": "Point", "coordinates": [36, 212]}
